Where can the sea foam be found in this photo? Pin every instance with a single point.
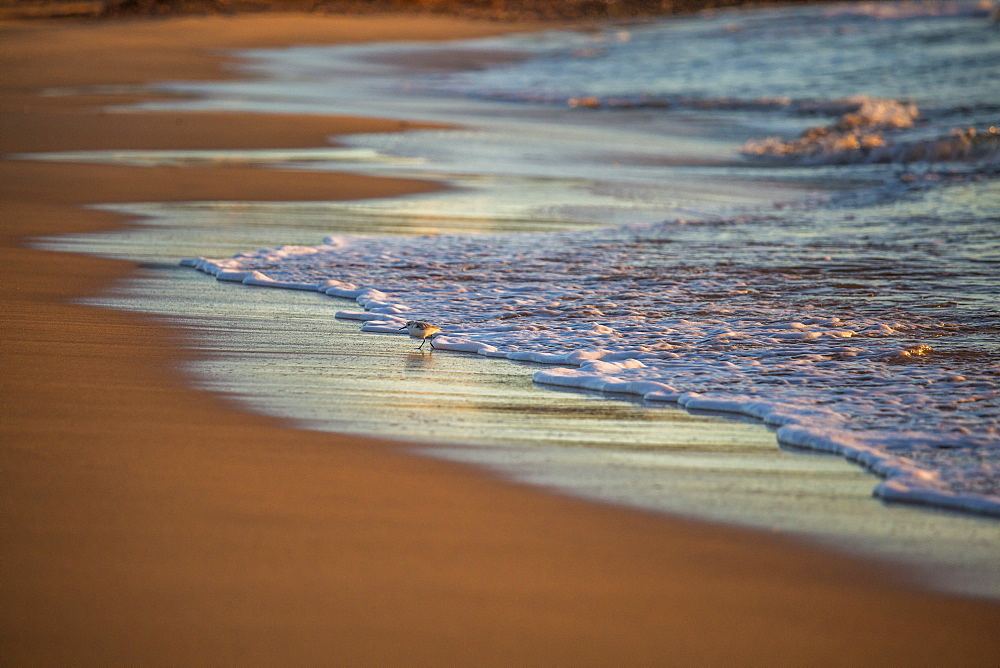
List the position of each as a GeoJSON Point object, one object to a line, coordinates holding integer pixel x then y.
{"type": "Point", "coordinates": [860, 385]}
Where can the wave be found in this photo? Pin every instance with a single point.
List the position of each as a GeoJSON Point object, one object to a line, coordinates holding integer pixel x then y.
{"type": "Point", "coordinates": [867, 130]}
{"type": "Point", "coordinates": [831, 146]}
{"type": "Point", "coordinates": [864, 134]}
{"type": "Point", "coordinates": [855, 385]}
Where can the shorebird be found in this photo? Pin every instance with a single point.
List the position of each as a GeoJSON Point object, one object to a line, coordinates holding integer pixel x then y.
{"type": "Point", "coordinates": [421, 330]}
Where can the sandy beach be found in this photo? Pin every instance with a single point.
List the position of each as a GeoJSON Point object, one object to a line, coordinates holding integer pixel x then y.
{"type": "Point", "coordinates": [147, 522]}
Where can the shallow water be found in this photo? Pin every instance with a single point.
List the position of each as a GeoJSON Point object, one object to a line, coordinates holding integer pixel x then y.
{"type": "Point", "coordinates": [665, 231]}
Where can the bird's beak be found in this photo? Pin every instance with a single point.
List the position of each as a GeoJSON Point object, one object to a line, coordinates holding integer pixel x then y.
{"type": "Point", "coordinates": [402, 328]}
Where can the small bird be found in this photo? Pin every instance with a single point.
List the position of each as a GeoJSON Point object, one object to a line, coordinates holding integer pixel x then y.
{"type": "Point", "coordinates": [421, 330]}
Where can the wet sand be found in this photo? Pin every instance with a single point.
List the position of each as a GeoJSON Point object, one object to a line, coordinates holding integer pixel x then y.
{"type": "Point", "coordinates": [145, 521]}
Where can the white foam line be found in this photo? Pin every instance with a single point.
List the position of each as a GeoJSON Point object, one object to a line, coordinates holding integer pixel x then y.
{"type": "Point", "coordinates": [799, 426]}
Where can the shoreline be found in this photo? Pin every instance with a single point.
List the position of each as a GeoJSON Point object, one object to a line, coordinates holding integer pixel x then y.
{"type": "Point", "coordinates": [144, 520]}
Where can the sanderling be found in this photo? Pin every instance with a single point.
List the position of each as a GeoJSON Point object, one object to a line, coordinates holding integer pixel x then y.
{"type": "Point", "coordinates": [421, 330]}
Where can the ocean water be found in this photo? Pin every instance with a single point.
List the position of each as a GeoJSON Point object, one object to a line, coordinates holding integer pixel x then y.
{"type": "Point", "coordinates": [789, 216]}
{"type": "Point", "coordinates": [861, 318]}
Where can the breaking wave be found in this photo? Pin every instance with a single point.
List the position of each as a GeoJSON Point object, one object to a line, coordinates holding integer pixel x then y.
{"type": "Point", "coordinates": [869, 133]}
{"type": "Point", "coordinates": [867, 130]}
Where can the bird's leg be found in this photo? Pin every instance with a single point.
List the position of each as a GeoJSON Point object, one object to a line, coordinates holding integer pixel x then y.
{"type": "Point", "coordinates": [422, 342]}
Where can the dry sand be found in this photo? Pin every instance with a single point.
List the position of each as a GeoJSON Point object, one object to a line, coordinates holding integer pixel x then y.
{"type": "Point", "coordinates": [146, 522]}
